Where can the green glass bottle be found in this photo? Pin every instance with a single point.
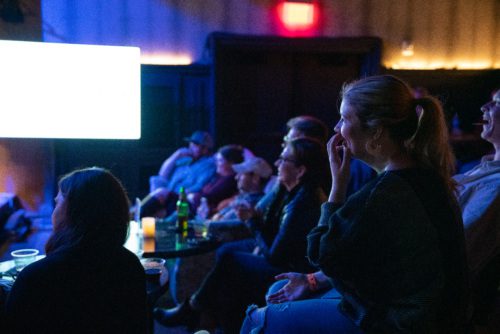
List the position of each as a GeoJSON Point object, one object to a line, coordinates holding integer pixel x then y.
{"type": "Point", "coordinates": [182, 212]}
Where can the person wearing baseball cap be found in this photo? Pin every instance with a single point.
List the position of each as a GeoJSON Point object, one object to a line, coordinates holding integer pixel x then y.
{"type": "Point", "coordinates": [201, 138]}
{"type": "Point", "coordinates": [189, 167]}
{"type": "Point", "coordinates": [251, 175]}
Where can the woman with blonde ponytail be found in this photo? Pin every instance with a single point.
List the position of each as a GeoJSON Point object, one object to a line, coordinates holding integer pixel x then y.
{"type": "Point", "coordinates": [394, 251]}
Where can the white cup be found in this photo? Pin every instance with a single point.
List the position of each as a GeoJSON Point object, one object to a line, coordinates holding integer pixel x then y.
{"type": "Point", "coordinates": [23, 257]}
{"type": "Point", "coordinates": [153, 267]}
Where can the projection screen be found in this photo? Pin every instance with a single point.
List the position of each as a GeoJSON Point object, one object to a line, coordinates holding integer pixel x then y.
{"type": "Point", "coordinates": [52, 90]}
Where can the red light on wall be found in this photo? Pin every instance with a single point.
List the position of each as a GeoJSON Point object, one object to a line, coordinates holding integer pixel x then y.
{"type": "Point", "coordinates": [297, 15]}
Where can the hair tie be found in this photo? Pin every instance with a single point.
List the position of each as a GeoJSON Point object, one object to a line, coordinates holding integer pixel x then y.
{"type": "Point", "coordinates": [419, 111]}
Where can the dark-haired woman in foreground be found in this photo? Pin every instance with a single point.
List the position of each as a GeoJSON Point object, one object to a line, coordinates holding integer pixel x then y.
{"type": "Point", "coordinates": [394, 251]}
{"type": "Point", "coordinates": [88, 283]}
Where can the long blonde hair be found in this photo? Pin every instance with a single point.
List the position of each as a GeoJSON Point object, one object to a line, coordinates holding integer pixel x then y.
{"type": "Point", "coordinates": [416, 124]}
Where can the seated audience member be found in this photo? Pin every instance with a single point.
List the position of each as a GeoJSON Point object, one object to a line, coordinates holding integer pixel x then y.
{"type": "Point", "coordinates": [479, 199]}
{"type": "Point", "coordinates": [190, 167]}
{"type": "Point", "coordinates": [223, 184]}
{"type": "Point", "coordinates": [312, 127]}
{"type": "Point", "coordinates": [244, 268]}
{"type": "Point", "coordinates": [220, 187]}
{"type": "Point", "coordinates": [306, 126]}
{"type": "Point", "coordinates": [252, 176]}
{"type": "Point", "coordinates": [395, 250]}
{"type": "Point", "coordinates": [88, 282]}
{"type": "Point", "coordinates": [309, 126]}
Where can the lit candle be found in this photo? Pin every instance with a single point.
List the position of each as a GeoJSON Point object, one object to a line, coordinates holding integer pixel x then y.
{"type": "Point", "coordinates": [148, 245]}
{"type": "Point", "coordinates": [148, 227]}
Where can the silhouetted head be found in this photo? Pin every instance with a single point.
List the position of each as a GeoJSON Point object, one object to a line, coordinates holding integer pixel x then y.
{"type": "Point", "coordinates": [91, 208]}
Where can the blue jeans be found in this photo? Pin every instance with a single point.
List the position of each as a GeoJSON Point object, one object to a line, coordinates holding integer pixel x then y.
{"type": "Point", "coordinates": [238, 279]}
{"type": "Point", "coordinates": [319, 314]}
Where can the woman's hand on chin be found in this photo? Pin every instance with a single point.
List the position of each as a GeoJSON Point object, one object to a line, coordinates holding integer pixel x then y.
{"type": "Point", "coordinates": [340, 162]}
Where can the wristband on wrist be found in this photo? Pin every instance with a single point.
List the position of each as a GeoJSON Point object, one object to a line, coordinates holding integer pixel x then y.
{"type": "Point", "coordinates": [313, 283]}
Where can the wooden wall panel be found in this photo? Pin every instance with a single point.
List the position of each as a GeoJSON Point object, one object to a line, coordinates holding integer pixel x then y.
{"type": "Point", "coordinates": [29, 29]}
{"type": "Point", "coordinates": [448, 33]}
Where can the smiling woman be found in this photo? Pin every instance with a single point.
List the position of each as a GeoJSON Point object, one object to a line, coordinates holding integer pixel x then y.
{"type": "Point", "coordinates": [373, 245]}
{"type": "Point", "coordinates": [289, 172]}
{"type": "Point", "coordinates": [354, 138]}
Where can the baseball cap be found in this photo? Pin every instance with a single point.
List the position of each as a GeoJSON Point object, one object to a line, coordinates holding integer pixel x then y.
{"type": "Point", "coordinates": [201, 138]}
{"type": "Point", "coordinates": [255, 165]}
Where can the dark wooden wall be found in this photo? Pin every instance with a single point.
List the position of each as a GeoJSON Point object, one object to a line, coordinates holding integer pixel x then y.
{"type": "Point", "coordinates": [261, 82]}
{"type": "Point", "coordinates": [461, 91]}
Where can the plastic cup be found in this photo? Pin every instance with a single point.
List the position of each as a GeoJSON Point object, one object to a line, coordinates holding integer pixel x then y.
{"type": "Point", "coordinates": [23, 257]}
{"type": "Point", "coordinates": [153, 267]}
{"type": "Point", "coordinates": [200, 228]}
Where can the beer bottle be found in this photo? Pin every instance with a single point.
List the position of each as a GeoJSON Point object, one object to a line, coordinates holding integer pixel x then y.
{"type": "Point", "coordinates": [182, 212]}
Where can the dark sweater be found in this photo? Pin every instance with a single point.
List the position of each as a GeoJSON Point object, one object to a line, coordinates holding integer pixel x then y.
{"type": "Point", "coordinates": [282, 231]}
{"type": "Point", "coordinates": [80, 291]}
{"type": "Point", "coordinates": [396, 252]}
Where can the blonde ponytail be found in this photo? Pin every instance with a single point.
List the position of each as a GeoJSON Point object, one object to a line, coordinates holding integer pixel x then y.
{"type": "Point", "coordinates": [429, 145]}
{"type": "Point", "coordinates": [417, 125]}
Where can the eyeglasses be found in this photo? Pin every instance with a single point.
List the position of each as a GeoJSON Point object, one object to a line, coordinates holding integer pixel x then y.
{"type": "Point", "coordinates": [285, 141]}
{"type": "Point", "coordinates": [283, 159]}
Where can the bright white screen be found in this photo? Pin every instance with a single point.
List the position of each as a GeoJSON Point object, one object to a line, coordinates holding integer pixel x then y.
{"type": "Point", "coordinates": [51, 90]}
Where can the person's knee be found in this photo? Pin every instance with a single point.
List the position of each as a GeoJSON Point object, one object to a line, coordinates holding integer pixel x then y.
{"type": "Point", "coordinates": [256, 315]}
{"type": "Point", "coordinates": [161, 194]}
{"type": "Point", "coordinates": [275, 287]}
{"type": "Point", "coordinates": [156, 182]}
{"type": "Point", "coordinates": [224, 253]}
{"type": "Point", "coordinates": [254, 320]}
{"type": "Point", "coordinates": [228, 249]}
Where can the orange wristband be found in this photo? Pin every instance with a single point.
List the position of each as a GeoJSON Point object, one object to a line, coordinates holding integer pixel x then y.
{"type": "Point", "coordinates": [313, 283]}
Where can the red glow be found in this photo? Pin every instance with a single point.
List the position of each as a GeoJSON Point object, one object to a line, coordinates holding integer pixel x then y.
{"type": "Point", "coordinates": [298, 16]}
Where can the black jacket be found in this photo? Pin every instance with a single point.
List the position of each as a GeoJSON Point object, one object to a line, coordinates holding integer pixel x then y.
{"type": "Point", "coordinates": [282, 232]}
{"type": "Point", "coordinates": [80, 291]}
